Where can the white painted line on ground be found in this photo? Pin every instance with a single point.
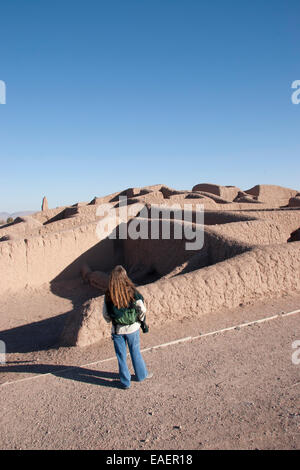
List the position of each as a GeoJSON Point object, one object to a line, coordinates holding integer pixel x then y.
{"type": "Point", "coordinates": [242, 325]}
{"type": "Point", "coordinates": [163, 345]}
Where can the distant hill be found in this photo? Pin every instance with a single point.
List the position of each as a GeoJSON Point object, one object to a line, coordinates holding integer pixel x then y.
{"type": "Point", "coordinates": [4, 215]}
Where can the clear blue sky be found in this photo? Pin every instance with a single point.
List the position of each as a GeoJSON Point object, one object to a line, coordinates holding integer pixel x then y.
{"type": "Point", "coordinates": [105, 95]}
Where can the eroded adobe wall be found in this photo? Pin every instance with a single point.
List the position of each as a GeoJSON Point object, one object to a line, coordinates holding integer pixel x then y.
{"type": "Point", "coordinates": [275, 229]}
{"type": "Point", "coordinates": [44, 216]}
{"type": "Point", "coordinates": [25, 230]}
{"type": "Point", "coordinates": [260, 273]}
{"type": "Point", "coordinates": [277, 215]}
{"type": "Point", "coordinates": [224, 217]}
{"type": "Point", "coordinates": [188, 211]}
{"type": "Point", "coordinates": [37, 260]}
{"type": "Point", "coordinates": [56, 256]}
{"type": "Point", "coordinates": [221, 247]}
{"type": "Point", "coordinates": [23, 227]}
{"type": "Point", "coordinates": [225, 192]}
{"type": "Point", "coordinates": [49, 256]}
{"type": "Point", "coordinates": [160, 255]}
{"type": "Point", "coordinates": [269, 192]}
{"type": "Point", "coordinates": [165, 255]}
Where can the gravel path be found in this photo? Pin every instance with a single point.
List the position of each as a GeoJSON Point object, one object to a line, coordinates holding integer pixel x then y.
{"type": "Point", "coordinates": [236, 389]}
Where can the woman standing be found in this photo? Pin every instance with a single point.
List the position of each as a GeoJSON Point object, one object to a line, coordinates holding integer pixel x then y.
{"type": "Point", "coordinates": [121, 304]}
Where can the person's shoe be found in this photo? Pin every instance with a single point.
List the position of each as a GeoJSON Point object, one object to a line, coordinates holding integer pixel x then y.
{"type": "Point", "coordinates": [124, 387]}
{"type": "Point", "coordinates": [150, 375]}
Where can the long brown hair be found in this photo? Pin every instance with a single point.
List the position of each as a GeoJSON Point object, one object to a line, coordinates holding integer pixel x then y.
{"type": "Point", "coordinates": [120, 288]}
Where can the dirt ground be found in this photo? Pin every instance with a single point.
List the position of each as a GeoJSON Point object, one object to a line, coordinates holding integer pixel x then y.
{"type": "Point", "coordinates": [236, 389]}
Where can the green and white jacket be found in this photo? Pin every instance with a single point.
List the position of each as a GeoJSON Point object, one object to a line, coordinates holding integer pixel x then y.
{"type": "Point", "coordinates": [126, 329]}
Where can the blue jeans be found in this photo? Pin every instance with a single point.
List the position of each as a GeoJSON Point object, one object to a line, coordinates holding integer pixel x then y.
{"type": "Point", "coordinates": [133, 341]}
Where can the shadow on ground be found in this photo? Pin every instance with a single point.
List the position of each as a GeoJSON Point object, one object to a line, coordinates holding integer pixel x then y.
{"type": "Point", "coordinates": [36, 336]}
{"type": "Point", "coordinates": [44, 334]}
{"type": "Point", "coordinates": [80, 374]}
